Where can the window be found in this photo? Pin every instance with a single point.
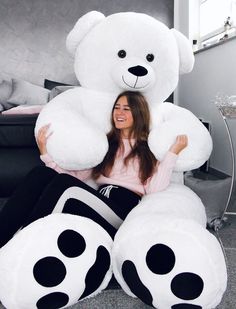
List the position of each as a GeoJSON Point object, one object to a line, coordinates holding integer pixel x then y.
{"type": "Point", "coordinates": [216, 21]}
{"type": "Point", "coordinates": [213, 16]}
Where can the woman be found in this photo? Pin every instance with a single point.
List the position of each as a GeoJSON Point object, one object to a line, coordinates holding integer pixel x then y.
{"type": "Point", "coordinates": [128, 171]}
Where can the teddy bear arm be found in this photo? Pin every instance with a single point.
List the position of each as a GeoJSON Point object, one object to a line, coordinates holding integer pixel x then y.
{"type": "Point", "coordinates": [74, 139]}
{"type": "Point", "coordinates": [171, 121]}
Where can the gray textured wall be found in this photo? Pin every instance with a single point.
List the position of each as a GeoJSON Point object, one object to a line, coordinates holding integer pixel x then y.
{"type": "Point", "coordinates": [33, 33]}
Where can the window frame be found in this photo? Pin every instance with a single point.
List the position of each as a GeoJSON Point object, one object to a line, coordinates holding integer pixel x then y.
{"type": "Point", "coordinates": [218, 35]}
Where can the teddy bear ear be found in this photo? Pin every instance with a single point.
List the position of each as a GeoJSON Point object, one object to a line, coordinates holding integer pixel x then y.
{"type": "Point", "coordinates": [81, 28]}
{"type": "Point", "coordinates": [186, 57]}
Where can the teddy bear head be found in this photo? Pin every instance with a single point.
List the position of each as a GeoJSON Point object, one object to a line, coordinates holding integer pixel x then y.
{"type": "Point", "coordinates": [129, 51]}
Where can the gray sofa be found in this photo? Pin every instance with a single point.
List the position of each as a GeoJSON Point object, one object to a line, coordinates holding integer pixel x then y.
{"type": "Point", "coordinates": [18, 150]}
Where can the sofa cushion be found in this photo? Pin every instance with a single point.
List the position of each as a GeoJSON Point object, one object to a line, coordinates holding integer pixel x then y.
{"type": "Point", "coordinates": [17, 130]}
{"type": "Point", "coordinates": [24, 92]}
{"type": "Point", "coordinates": [18, 150]}
{"type": "Point", "coordinates": [5, 92]}
{"type": "Point", "coordinates": [15, 164]}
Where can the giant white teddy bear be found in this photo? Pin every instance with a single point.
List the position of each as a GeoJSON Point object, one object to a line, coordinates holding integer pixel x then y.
{"type": "Point", "coordinates": [126, 51]}
{"type": "Point", "coordinates": [162, 253]}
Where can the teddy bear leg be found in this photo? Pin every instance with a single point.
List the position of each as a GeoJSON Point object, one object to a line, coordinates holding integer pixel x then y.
{"type": "Point", "coordinates": [55, 262]}
{"type": "Point", "coordinates": [168, 261]}
{"type": "Point", "coordinates": [63, 258]}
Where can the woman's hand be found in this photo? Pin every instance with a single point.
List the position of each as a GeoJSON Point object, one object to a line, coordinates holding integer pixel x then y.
{"type": "Point", "coordinates": [180, 143]}
{"type": "Point", "coordinates": [42, 138]}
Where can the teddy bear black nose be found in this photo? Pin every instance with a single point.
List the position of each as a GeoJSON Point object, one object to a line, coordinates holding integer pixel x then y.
{"type": "Point", "coordinates": [138, 70]}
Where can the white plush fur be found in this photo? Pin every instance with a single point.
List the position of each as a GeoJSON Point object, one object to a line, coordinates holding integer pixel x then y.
{"type": "Point", "coordinates": [177, 201]}
{"type": "Point", "coordinates": [18, 288]}
{"type": "Point", "coordinates": [80, 118]}
{"type": "Point", "coordinates": [83, 26]}
{"type": "Point", "coordinates": [170, 120]}
{"type": "Point", "coordinates": [196, 250]}
{"type": "Point", "coordinates": [78, 140]}
{"type": "Point", "coordinates": [174, 217]}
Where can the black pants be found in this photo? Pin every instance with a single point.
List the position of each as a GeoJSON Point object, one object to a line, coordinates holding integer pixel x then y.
{"type": "Point", "coordinates": [44, 191]}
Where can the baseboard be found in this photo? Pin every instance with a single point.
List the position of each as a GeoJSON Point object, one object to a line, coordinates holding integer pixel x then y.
{"type": "Point", "coordinates": [210, 174]}
{"type": "Point", "coordinates": [217, 173]}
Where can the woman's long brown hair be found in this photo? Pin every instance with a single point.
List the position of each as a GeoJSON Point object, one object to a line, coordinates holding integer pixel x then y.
{"type": "Point", "coordinates": [140, 130]}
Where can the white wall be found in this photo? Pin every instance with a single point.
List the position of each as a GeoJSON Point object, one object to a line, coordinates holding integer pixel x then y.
{"type": "Point", "coordinates": [214, 72]}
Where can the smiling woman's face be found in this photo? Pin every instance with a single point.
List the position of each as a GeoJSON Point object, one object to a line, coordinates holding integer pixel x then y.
{"type": "Point", "coordinates": [123, 117]}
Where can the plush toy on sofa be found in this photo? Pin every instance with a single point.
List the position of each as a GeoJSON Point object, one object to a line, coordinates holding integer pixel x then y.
{"type": "Point", "coordinates": [162, 253]}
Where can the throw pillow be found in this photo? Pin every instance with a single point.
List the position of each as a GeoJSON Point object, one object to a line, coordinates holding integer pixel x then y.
{"type": "Point", "coordinates": [5, 90]}
{"type": "Point", "coordinates": [24, 92]}
{"type": "Point", "coordinates": [5, 106]}
{"type": "Point", "coordinates": [57, 90]}
{"type": "Point", "coordinates": [50, 84]}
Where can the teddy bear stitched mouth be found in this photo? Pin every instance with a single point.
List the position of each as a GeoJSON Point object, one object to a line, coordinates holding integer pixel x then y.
{"type": "Point", "coordinates": [134, 87]}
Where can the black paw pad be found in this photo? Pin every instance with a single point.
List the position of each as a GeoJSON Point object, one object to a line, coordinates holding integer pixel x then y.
{"type": "Point", "coordinates": [97, 272]}
{"type": "Point", "coordinates": [160, 259]}
{"type": "Point", "coordinates": [187, 286]}
{"type": "Point", "coordinates": [49, 271]}
{"type": "Point", "coordinates": [133, 281]}
{"type": "Point", "coordinates": [71, 243]}
{"type": "Point", "coordinates": [185, 306]}
{"type": "Point", "coordinates": [53, 301]}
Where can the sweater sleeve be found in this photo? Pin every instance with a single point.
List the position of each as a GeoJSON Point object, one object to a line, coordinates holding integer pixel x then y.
{"type": "Point", "coordinates": [161, 179]}
{"type": "Point", "coordinates": [81, 175]}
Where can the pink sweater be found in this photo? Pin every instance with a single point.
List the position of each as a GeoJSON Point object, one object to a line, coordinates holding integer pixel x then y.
{"type": "Point", "coordinates": [126, 176]}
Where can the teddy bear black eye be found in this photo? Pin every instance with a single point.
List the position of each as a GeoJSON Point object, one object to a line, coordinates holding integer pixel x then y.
{"type": "Point", "coordinates": [150, 57]}
{"type": "Point", "coordinates": [122, 53]}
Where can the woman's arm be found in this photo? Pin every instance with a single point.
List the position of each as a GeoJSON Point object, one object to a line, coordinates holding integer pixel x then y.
{"type": "Point", "coordinates": [160, 180]}
{"type": "Point", "coordinates": [42, 137]}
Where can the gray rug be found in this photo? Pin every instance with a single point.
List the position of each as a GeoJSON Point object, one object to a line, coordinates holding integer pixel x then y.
{"type": "Point", "coordinates": [116, 299]}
